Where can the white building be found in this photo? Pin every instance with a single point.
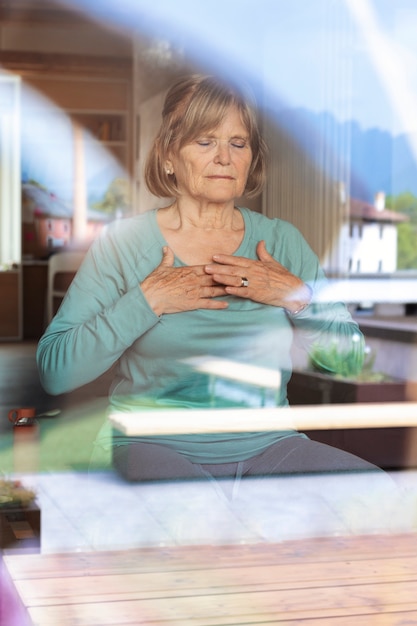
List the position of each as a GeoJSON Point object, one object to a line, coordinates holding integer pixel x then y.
{"type": "Point", "coordinates": [373, 236]}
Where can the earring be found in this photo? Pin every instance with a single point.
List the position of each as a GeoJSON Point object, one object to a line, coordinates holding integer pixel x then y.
{"type": "Point", "coordinates": [169, 172]}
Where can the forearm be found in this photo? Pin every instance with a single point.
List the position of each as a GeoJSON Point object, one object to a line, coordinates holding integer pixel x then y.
{"type": "Point", "coordinates": [74, 353]}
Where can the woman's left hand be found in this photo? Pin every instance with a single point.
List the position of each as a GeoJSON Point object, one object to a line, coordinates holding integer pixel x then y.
{"type": "Point", "coordinates": [268, 281]}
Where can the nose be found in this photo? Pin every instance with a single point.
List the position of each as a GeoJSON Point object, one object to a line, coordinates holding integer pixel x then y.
{"type": "Point", "coordinates": [222, 153]}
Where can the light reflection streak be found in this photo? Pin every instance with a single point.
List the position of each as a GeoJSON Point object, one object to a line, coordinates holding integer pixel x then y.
{"type": "Point", "coordinates": [240, 372]}
{"type": "Point", "coordinates": [389, 62]}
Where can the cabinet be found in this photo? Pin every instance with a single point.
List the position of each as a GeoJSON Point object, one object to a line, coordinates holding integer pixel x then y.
{"type": "Point", "coordinates": [20, 529]}
{"type": "Point", "coordinates": [35, 291]}
{"type": "Point", "coordinates": [10, 312]}
{"type": "Point", "coordinates": [35, 282]}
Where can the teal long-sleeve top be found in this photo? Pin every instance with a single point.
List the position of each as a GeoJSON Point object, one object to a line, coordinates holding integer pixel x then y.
{"type": "Point", "coordinates": [105, 321]}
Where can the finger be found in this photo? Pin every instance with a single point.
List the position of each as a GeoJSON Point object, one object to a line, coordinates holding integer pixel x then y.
{"type": "Point", "coordinates": [214, 291]}
{"type": "Point", "coordinates": [208, 303]}
{"type": "Point", "coordinates": [231, 280]}
{"type": "Point", "coordinates": [229, 259]}
{"type": "Point", "coordinates": [228, 272]}
{"type": "Point", "coordinates": [168, 257]}
{"type": "Point", "coordinates": [265, 257]}
{"type": "Point", "coordinates": [240, 292]}
{"type": "Point", "coordinates": [210, 281]}
{"type": "Point", "coordinates": [262, 252]}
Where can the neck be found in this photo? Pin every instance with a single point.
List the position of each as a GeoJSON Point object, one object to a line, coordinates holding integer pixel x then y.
{"type": "Point", "coordinates": [211, 216]}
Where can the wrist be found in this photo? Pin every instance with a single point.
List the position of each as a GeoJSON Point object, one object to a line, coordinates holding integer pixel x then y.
{"type": "Point", "coordinates": [152, 299]}
{"type": "Point", "coordinates": [300, 309]}
{"type": "Point", "coordinates": [298, 306]}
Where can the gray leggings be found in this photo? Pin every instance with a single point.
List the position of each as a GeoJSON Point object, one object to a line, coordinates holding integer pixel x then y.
{"type": "Point", "coordinates": [291, 455]}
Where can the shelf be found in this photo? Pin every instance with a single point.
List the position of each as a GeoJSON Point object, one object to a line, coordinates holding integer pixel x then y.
{"type": "Point", "coordinates": [107, 128]}
{"type": "Point", "coordinates": [53, 129]}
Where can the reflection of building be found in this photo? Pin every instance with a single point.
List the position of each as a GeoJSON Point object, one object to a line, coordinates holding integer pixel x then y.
{"type": "Point", "coordinates": [47, 223]}
{"type": "Point", "coordinates": [52, 232]}
{"type": "Point", "coordinates": [373, 236]}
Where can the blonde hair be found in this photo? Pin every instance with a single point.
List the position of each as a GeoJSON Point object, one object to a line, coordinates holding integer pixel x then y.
{"type": "Point", "coordinates": [194, 105]}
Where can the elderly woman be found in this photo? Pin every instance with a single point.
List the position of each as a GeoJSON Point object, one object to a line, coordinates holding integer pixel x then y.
{"type": "Point", "coordinates": [202, 276]}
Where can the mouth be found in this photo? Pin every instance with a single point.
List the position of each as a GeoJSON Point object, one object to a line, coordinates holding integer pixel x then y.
{"type": "Point", "coordinates": [218, 177]}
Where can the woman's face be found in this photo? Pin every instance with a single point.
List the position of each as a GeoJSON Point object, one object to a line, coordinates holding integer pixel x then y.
{"type": "Point", "coordinates": [215, 166]}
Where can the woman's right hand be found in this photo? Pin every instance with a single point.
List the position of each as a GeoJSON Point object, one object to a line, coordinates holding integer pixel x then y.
{"type": "Point", "coordinates": [170, 289]}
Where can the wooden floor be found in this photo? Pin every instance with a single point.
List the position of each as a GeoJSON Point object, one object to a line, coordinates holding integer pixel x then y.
{"type": "Point", "coordinates": [368, 580]}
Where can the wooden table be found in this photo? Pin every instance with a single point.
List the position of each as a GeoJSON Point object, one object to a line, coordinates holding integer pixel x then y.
{"type": "Point", "coordinates": [342, 581]}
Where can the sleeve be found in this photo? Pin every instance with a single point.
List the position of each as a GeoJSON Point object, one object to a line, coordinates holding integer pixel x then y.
{"type": "Point", "coordinates": [332, 339]}
{"type": "Point", "coordinates": [326, 330]}
{"type": "Point", "coordinates": [102, 314]}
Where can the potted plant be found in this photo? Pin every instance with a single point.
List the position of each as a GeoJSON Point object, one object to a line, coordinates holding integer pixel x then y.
{"type": "Point", "coordinates": [19, 517]}
{"type": "Point", "coordinates": [356, 381]}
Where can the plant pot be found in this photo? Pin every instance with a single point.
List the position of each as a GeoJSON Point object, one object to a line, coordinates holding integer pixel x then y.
{"type": "Point", "coordinates": [389, 448]}
{"type": "Point", "coordinates": [310, 387]}
{"type": "Point", "coordinates": [20, 528]}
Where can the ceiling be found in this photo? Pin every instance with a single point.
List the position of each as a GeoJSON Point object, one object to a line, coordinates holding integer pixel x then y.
{"type": "Point", "coordinates": [45, 11]}
{"type": "Point", "coordinates": [29, 30]}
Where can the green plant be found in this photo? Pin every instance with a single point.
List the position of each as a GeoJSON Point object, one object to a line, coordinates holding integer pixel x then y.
{"type": "Point", "coordinates": [334, 358]}
{"type": "Point", "coordinates": [116, 198]}
{"type": "Point", "coordinates": [354, 363]}
{"type": "Point", "coordinates": [13, 493]}
{"type": "Point", "coordinates": [367, 373]}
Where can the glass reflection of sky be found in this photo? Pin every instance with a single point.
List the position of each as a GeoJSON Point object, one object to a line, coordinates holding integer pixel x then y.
{"type": "Point", "coordinates": [48, 151]}
{"type": "Point", "coordinates": [299, 51]}
{"type": "Point", "coordinates": [352, 60]}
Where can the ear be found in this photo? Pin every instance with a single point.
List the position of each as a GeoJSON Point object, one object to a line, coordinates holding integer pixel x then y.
{"type": "Point", "coordinates": [169, 168]}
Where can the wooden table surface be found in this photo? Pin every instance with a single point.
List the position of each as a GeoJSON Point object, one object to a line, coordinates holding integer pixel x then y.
{"type": "Point", "coordinates": [342, 581]}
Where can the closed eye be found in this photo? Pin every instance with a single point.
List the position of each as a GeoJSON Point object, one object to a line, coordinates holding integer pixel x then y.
{"type": "Point", "coordinates": [235, 142]}
{"type": "Point", "coordinates": [204, 142]}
